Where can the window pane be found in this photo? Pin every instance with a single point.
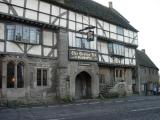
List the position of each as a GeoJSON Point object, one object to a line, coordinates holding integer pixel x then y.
{"type": "Point", "coordinates": [120, 30]}
{"type": "Point", "coordinates": [120, 74]}
{"type": "Point", "coordinates": [25, 34]}
{"type": "Point", "coordinates": [78, 42]}
{"type": "Point", "coordinates": [110, 48]}
{"type": "Point", "coordinates": [85, 44]}
{"type": "Point", "coordinates": [45, 77]}
{"type": "Point", "coordinates": [117, 73]}
{"type": "Point", "coordinates": [18, 33]}
{"type": "Point", "coordinates": [10, 32]}
{"type": "Point", "coordinates": [38, 77]}
{"type": "Point", "coordinates": [34, 35]}
{"type": "Point", "coordinates": [10, 75]}
{"type": "Point", "coordinates": [20, 75]}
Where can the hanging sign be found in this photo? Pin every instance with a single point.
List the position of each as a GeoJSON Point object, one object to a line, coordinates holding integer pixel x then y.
{"type": "Point", "coordinates": [90, 35]}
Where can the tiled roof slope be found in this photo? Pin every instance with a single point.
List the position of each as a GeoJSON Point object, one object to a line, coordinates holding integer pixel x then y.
{"type": "Point", "coordinates": [143, 60]}
{"type": "Point", "coordinates": [97, 10]}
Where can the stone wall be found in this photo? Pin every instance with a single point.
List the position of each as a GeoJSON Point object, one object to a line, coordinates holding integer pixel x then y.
{"type": "Point", "coordinates": [146, 75]}
{"type": "Point", "coordinates": [92, 69]}
{"type": "Point", "coordinates": [30, 89]}
{"type": "Point", "coordinates": [110, 80]}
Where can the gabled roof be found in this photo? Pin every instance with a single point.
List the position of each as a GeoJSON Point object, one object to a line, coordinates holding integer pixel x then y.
{"type": "Point", "coordinates": [97, 10]}
{"type": "Point", "coordinates": [142, 59]}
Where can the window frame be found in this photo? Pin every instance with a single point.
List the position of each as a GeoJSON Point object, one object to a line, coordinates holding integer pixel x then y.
{"type": "Point", "coordinates": [42, 77]}
{"type": "Point", "coordinates": [15, 75]}
{"type": "Point", "coordinates": [38, 33]}
{"type": "Point", "coordinates": [82, 43]}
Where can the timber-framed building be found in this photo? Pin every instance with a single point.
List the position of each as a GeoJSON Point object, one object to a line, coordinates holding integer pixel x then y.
{"type": "Point", "coordinates": [44, 51]}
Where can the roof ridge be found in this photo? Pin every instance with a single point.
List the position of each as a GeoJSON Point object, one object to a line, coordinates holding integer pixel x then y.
{"type": "Point", "coordinates": [146, 59]}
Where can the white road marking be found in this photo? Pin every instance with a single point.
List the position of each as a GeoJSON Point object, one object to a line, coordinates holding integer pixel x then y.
{"type": "Point", "coordinates": [57, 119]}
{"type": "Point", "coordinates": [145, 109]}
{"type": "Point", "coordinates": [67, 105]}
{"type": "Point", "coordinates": [39, 107]}
{"type": "Point", "coordinates": [119, 101]}
{"type": "Point", "coordinates": [136, 100]}
{"type": "Point", "coordinates": [53, 106]}
{"type": "Point", "coordinates": [94, 103]}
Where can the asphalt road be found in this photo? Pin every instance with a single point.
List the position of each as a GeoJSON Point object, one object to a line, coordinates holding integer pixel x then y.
{"type": "Point", "coordinates": [132, 108]}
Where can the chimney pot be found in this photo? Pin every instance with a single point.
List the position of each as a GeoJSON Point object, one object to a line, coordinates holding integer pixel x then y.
{"type": "Point", "coordinates": [110, 4]}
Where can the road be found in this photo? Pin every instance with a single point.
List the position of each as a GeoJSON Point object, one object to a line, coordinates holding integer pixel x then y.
{"type": "Point", "coordinates": [131, 108]}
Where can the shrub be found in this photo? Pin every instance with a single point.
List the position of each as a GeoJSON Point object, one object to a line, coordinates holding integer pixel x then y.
{"type": "Point", "coordinates": [67, 99]}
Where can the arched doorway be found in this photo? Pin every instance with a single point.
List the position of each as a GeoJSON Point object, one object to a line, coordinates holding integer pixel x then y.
{"type": "Point", "coordinates": [83, 86]}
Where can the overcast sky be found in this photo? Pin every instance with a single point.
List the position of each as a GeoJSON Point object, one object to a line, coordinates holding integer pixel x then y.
{"type": "Point", "coordinates": [144, 15]}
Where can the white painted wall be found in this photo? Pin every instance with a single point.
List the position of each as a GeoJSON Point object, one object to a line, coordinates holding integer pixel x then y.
{"type": "Point", "coordinates": [36, 50]}
{"type": "Point", "coordinates": [1, 46]}
{"type": "Point", "coordinates": [2, 31]}
{"type": "Point", "coordinates": [12, 47]}
{"type": "Point", "coordinates": [47, 38]}
{"type": "Point", "coordinates": [46, 51]}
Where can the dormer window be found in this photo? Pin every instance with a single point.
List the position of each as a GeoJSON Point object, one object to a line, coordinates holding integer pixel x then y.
{"type": "Point", "coordinates": [22, 33]}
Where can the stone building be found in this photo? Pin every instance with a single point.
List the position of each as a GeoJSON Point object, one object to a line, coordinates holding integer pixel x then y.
{"type": "Point", "coordinates": [146, 74]}
{"type": "Point", "coordinates": [45, 49]}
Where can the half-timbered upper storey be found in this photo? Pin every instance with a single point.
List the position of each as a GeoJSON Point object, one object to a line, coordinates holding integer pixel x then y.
{"type": "Point", "coordinates": [115, 39]}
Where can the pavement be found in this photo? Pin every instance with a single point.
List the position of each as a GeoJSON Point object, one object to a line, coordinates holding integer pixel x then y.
{"type": "Point", "coordinates": [129, 108]}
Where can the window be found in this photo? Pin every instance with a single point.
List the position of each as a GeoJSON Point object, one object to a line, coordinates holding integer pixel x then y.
{"type": "Point", "coordinates": [119, 73]}
{"type": "Point", "coordinates": [41, 77]}
{"type": "Point", "coordinates": [11, 75]}
{"type": "Point", "coordinates": [10, 32]}
{"type": "Point", "coordinates": [82, 43]}
{"type": "Point", "coordinates": [22, 33]}
{"type": "Point", "coordinates": [26, 33]}
{"type": "Point", "coordinates": [20, 75]}
{"type": "Point", "coordinates": [18, 33]}
{"type": "Point", "coordinates": [120, 31]}
{"type": "Point", "coordinates": [116, 49]}
{"type": "Point", "coordinates": [11, 78]}
{"type": "Point", "coordinates": [101, 79]}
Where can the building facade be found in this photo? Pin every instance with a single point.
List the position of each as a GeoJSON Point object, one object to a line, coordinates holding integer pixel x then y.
{"type": "Point", "coordinates": [146, 74]}
{"type": "Point", "coordinates": [44, 50]}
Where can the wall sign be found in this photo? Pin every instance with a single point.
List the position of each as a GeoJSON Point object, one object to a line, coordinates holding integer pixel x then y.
{"type": "Point", "coordinates": [85, 55]}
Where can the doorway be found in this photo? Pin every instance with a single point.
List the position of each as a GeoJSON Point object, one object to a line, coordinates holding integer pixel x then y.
{"type": "Point", "coordinates": [83, 86]}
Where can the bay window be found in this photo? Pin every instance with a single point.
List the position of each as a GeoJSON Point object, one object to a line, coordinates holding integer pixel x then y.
{"type": "Point", "coordinates": [22, 33]}
{"type": "Point", "coordinates": [116, 49]}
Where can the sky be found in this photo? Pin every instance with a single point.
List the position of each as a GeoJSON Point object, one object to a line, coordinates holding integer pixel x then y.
{"type": "Point", "coordinates": [144, 15]}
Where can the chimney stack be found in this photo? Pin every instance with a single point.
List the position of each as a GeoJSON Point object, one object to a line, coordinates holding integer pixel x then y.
{"type": "Point", "coordinates": [110, 4]}
{"type": "Point", "coordinates": [143, 50]}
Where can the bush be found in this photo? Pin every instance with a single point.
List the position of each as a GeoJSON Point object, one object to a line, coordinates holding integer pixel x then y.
{"type": "Point", "coordinates": [113, 95]}
{"type": "Point", "coordinates": [67, 99]}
